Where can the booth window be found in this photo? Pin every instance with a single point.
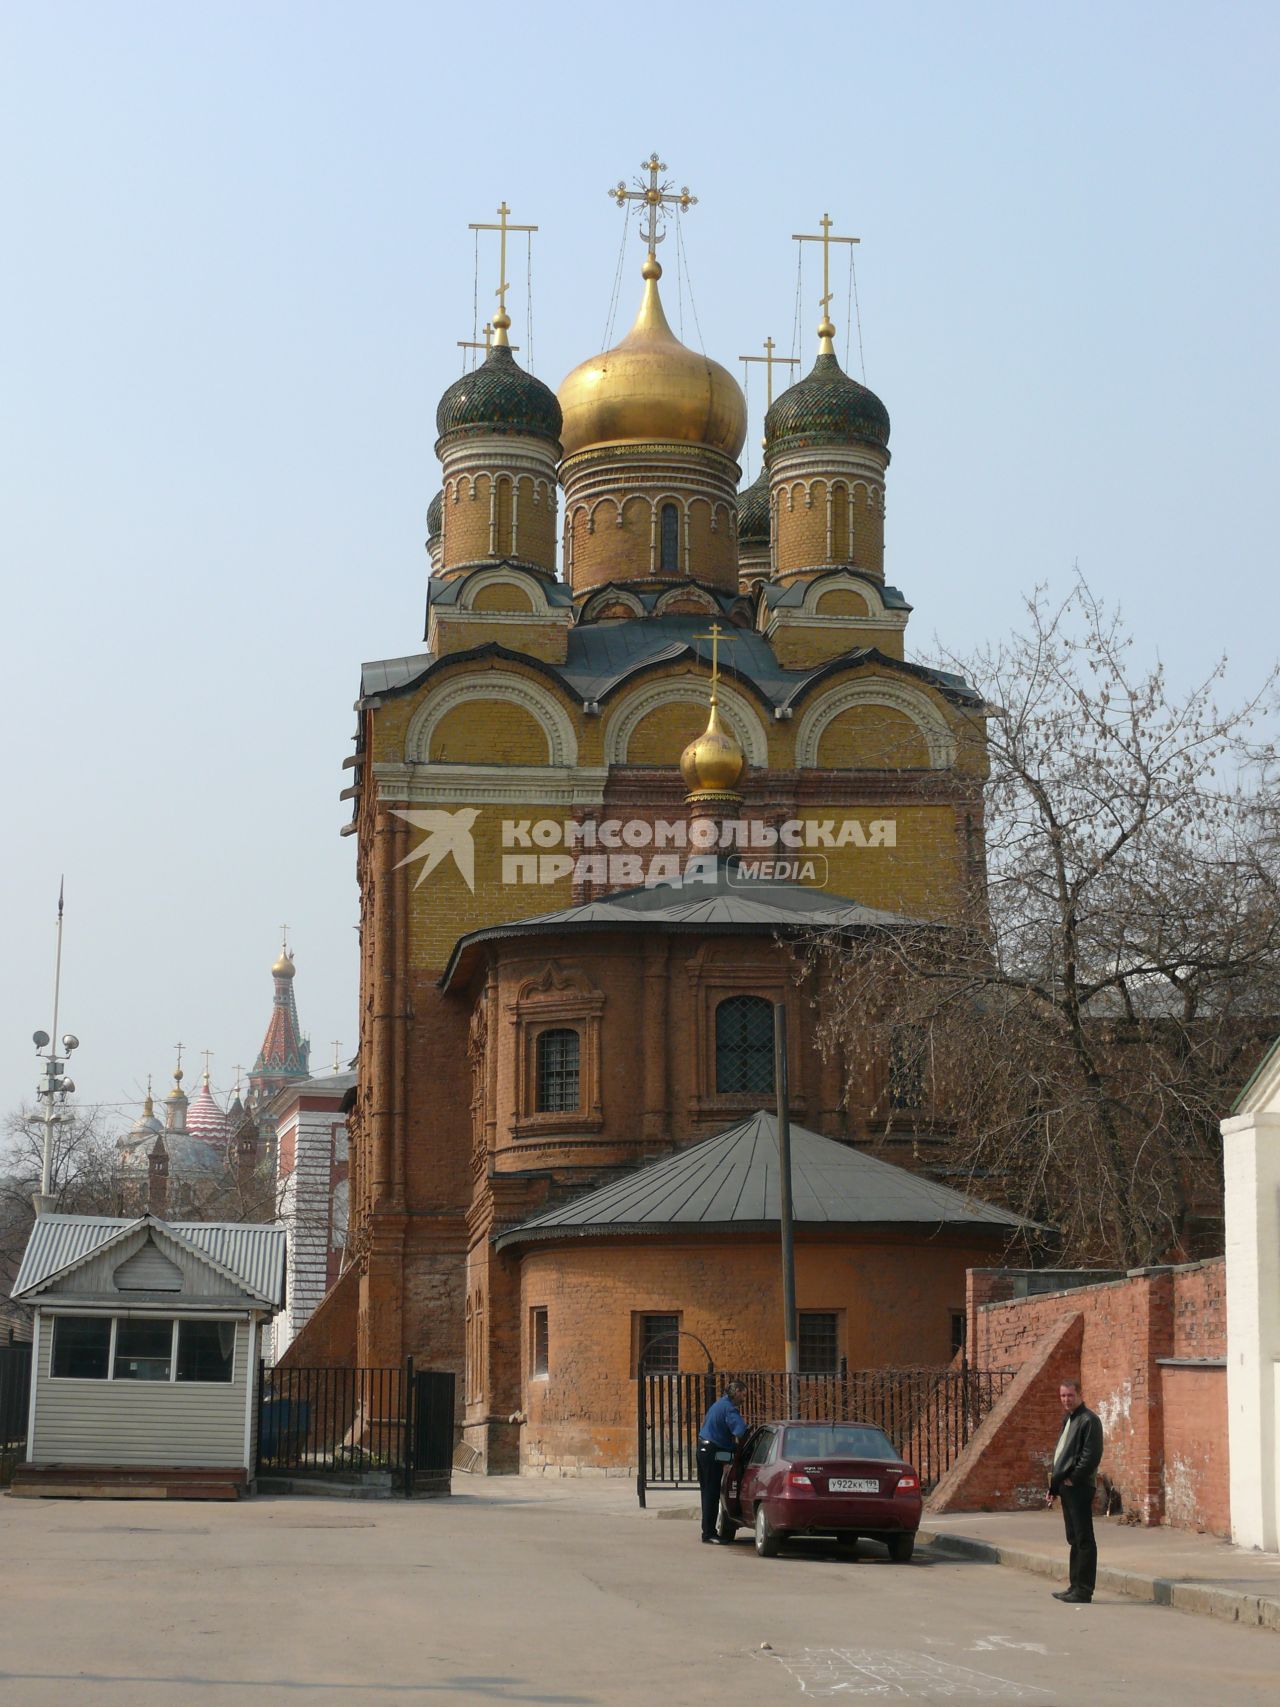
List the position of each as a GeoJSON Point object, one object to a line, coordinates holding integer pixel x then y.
{"type": "Point", "coordinates": [144, 1348]}
{"type": "Point", "coordinates": [206, 1351]}
{"type": "Point", "coordinates": [81, 1347]}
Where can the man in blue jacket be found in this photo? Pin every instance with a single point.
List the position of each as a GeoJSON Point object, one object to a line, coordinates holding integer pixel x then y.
{"type": "Point", "coordinates": [722, 1429]}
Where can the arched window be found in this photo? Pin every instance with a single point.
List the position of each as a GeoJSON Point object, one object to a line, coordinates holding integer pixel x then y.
{"type": "Point", "coordinates": [744, 1044]}
{"type": "Point", "coordinates": [557, 1071]}
{"type": "Point", "coordinates": [669, 520]}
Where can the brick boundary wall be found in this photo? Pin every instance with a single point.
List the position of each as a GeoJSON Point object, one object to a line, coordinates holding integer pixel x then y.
{"type": "Point", "coordinates": [1151, 1362]}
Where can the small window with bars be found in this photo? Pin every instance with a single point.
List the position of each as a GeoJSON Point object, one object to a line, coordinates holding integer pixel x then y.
{"type": "Point", "coordinates": [819, 1342]}
{"type": "Point", "coordinates": [907, 1060]}
{"type": "Point", "coordinates": [557, 1071]}
{"type": "Point", "coordinates": [657, 1340]}
{"type": "Point", "coordinates": [744, 1044]}
{"type": "Point", "coordinates": [537, 1341]}
{"type": "Point", "coordinates": [957, 1331]}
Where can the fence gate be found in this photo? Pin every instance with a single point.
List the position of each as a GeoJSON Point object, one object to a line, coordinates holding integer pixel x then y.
{"type": "Point", "coordinates": [15, 1396]}
{"type": "Point", "coordinates": [928, 1414]}
{"type": "Point", "coordinates": [344, 1422]}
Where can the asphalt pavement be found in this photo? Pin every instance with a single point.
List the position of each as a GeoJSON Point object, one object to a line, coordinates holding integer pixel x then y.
{"type": "Point", "coordinates": [552, 1595]}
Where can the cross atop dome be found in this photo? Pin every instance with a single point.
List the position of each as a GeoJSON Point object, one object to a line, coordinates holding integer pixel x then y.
{"type": "Point", "coordinates": [826, 329]}
{"type": "Point", "coordinates": [501, 320]}
{"type": "Point", "coordinates": [655, 196]}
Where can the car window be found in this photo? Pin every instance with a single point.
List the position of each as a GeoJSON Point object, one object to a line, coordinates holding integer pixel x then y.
{"type": "Point", "coordinates": [838, 1440]}
{"type": "Point", "coordinates": [760, 1447]}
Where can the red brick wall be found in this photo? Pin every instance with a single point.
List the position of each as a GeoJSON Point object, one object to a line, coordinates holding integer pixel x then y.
{"type": "Point", "coordinates": [1128, 1325]}
{"type": "Point", "coordinates": [1197, 1487]}
{"type": "Point", "coordinates": [895, 1295]}
{"type": "Point", "coordinates": [330, 1334]}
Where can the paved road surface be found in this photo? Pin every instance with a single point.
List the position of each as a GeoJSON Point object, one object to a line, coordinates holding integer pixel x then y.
{"type": "Point", "coordinates": [496, 1597]}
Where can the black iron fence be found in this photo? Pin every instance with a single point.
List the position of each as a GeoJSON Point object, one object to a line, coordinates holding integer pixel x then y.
{"type": "Point", "coordinates": [929, 1414]}
{"type": "Point", "coordinates": [336, 1422]}
{"type": "Point", "coordinates": [15, 1398]}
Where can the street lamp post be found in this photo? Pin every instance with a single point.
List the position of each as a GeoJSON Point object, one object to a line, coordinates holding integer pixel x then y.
{"type": "Point", "coordinates": [54, 1087]}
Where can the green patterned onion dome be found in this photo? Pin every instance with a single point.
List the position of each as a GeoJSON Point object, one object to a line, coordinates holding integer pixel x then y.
{"type": "Point", "coordinates": [826, 408]}
{"type": "Point", "coordinates": [753, 512]}
{"type": "Point", "coordinates": [499, 397]}
{"type": "Point", "coordinates": [435, 516]}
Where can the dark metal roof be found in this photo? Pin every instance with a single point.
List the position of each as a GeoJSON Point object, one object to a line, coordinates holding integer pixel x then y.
{"type": "Point", "coordinates": [775, 594]}
{"type": "Point", "coordinates": [447, 590]}
{"type": "Point", "coordinates": [720, 903]}
{"type": "Point", "coordinates": [731, 1181]}
{"type": "Point", "coordinates": [603, 656]}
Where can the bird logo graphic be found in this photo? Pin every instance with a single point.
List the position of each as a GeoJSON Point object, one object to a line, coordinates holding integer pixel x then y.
{"type": "Point", "coordinates": [447, 833]}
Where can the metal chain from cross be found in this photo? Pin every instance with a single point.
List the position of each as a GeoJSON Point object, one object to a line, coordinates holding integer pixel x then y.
{"type": "Point", "coordinates": [655, 196]}
{"type": "Point", "coordinates": [501, 320]}
{"type": "Point", "coordinates": [770, 362]}
{"type": "Point", "coordinates": [826, 330]}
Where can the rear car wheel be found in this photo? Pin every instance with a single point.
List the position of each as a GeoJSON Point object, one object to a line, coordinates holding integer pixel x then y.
{"type": "Point", "coordinates": [901, 1547]}
{"type": "Point", "coordinates": [766, 1535]}
{"type": "Point", "coordinates": [726, 1528]}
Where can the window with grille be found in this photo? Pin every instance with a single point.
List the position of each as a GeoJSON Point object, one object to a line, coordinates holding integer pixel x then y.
{"type": "Point", "coordinates": [557, 1071]}
{"type": "Point", "coordinates": [957, 1331]}
{"type": "Point", "coordinates": [744, 1044]}
{"type": "Point", "coordinates": [658, 1344]}
{"type": "Point", "coordinates": [906, 1068]}
{"type": "Point", "coordinates": [538, 1341]}
{"type": "Point", "coordinates": [669, 522]}
{"type": "Point", "coordinates": [819, 1342]}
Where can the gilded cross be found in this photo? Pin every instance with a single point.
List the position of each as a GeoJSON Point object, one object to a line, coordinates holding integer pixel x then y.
{"type": "Point", "coordinates": [770, 362]}
{"type": "Point", "coordinates": [502, 319]}
{"type": "Point", "coordinates": [487, 346]}
{"type": "Point", "coordinates": [655, 195]}
{"type": "Point", "coordinates": [714, 638]}
{"type": "Point", "coordinates": [826, 329]}
{"type": "Point", "coordinates": [284, 939]}
{"type": "Point", "coordinates": [177, 1071]}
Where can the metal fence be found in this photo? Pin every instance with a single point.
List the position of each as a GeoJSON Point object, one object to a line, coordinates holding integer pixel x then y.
{"type": "Point", "coordinates": [929, 1414]}
{"type": "Point", "coordinates": [348, 1421]}
{"type": "Point", "coordinates": [15, 1396]}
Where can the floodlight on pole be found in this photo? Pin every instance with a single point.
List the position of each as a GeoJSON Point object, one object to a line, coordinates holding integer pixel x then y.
{"type": "Point", "coordinates": [54, 1087]}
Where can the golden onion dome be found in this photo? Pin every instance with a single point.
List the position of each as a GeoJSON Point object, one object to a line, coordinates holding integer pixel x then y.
{"type": "Point", "coordinates": [284, 967]}
{"type": "Point", "coordinates": [712, 765]}
{"type": "Point", "coordinates": [651, 387]}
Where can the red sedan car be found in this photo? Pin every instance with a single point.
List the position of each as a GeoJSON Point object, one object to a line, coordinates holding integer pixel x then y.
{"type": "Point", "coordinates": [806, 1478]}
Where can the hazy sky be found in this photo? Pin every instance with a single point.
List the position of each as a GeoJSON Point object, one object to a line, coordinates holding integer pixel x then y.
{"type": "Point", "coordinates": [237, 262]}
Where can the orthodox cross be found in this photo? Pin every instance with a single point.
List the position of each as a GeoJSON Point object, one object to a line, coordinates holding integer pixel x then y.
{"type": "Point", "coordinates": [487, 346]}
{"type": "Point", "coordinates": [714, 638]}
{"type": "Point", "coordinates": [501, 319]}
{"type": "Point", "coordinates": [237, 1070]}
{"type": "Point", "coordinates": [654, 195]}
{"type": "Point", "coordinates": [177, 1071]}
{"type": "Point", "coordinates": [208, 1056]}
{"type": "Point", "coordinates": [826, 329]}
{"type": "Point", "coordinates": [770, 362]}
{"type": "Point", "coordinates": [284, 939]}
{"type": "Point", "coordinates": [337, 1044]}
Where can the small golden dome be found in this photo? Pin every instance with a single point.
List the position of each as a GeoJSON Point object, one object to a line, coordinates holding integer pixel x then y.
{"type": "Point", "coordinates": [712, 765]}
{"type": "Point", "coordinates": [651, 387]}
{"type": "Point", "coordinates": [284, 967]}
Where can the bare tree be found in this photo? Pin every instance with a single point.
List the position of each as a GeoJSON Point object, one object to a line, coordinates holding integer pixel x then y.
{"type": "Point", "coordinates": [81, 1177]}
{"type": "Point", "coordinates": [1084, 1018]}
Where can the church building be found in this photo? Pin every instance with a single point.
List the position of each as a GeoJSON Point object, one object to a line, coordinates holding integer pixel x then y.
{"type": "Point", "coordinates": [593, 818]}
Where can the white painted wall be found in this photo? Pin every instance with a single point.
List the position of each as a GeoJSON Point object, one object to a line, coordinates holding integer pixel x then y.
{"type": "Point", "coordinates": [306, 1207]}
{"type": "Point", "coordinates": [1251, 1168]}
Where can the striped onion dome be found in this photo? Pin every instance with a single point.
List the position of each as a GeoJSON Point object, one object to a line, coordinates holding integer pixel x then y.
{"type": "Point", "coordinates": [204, 1118]}
{"type": "Point", "coordinates": [753, 512]}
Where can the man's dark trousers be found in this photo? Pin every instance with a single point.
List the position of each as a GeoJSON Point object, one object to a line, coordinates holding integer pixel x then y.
{"type": "Point", "coordinates": [1077, 1517]}
{"type": "Point", "coordinates": [710, 1475]}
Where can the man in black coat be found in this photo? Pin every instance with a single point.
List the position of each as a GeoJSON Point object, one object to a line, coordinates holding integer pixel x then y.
{"type": "Point", "coordinates": [1073, 1479]}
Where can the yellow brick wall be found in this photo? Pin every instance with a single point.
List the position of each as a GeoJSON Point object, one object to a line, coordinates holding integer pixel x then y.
{"type": "Point", "coordinates": [489, 732]}
{"type": "Point", "coordinates": [868, 533]}
{"type": "Point", "coordinates": [661, 737]}
{"type": "Point", "coordinates": [872, 737]}
{"type": "Point", "coordinates": [456, 634]}
{"type": "Point", "coordinates": [504, 595]}
{"type": "Point", "coordinates": [801, 541]}
{"type": "Point", "coordinates": [466, 523]}
{"type": "Point", "coordinates": [800, 647]}
{"type": "Point", "coordinates": [536, 527]}
{"type": "Point", "coordinates": [841, 601]}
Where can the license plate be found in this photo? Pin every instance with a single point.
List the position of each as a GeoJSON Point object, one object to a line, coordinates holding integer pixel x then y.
{"type": "Point", "coordinates": [852, 1485]}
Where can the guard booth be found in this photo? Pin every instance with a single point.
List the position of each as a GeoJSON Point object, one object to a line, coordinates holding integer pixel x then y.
{"type": "Point", "coordinates": [144, 1349]}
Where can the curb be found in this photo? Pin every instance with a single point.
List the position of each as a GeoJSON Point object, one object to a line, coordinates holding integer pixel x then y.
{"type": "Point", "coordinates": [1206, 1598]}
